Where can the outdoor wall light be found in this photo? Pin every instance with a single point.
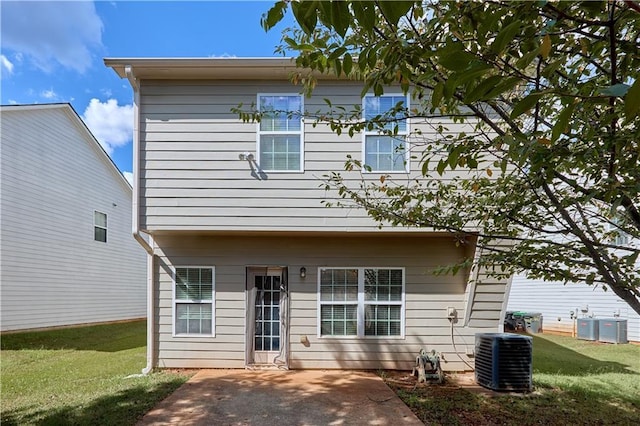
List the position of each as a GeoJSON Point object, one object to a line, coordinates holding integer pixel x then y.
{"type": "Point", "coordinates": [303, 272]}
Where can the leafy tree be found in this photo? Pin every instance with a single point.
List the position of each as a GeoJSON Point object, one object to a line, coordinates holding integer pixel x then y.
{"type": "Point", "coordinates": [550, 172]}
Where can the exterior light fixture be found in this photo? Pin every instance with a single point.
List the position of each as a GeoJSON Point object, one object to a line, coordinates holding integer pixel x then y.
{"type": "Point", "coordinates": [303, 272]}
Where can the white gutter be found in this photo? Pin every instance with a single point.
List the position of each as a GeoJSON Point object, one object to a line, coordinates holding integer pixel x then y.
{"type": "Point", "coordinates": [135, 222]}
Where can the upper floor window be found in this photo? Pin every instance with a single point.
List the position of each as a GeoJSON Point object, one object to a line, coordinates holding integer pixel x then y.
{"type": "Point", "coordinates": [100, 226]}
{"type": "Point", "coordinates": [620, 238]}
{"type": "Point", "coordinates": [280, 132]}
{"type": "Point", "coordinates": [382, 152]}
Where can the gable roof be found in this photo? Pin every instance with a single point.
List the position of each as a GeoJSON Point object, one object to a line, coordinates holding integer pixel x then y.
{"type": "Point", "coordinates": [209, 68]}
{"type": "Point", "coordinates": [82, 128]}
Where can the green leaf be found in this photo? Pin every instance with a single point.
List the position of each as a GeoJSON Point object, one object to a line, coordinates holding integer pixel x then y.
{"type": "Point", "coordinates": [562, 123]}
{"type": "Point", "coordinates": [456, 60]}
{"type": "Point", "coordinates": [617, 90]}
{"type": "Point", "coordinates": [505, 85]}
{"type": "Point", "coordinates": [365, 14]}
{"type": "Point", "coordinates": [527, 58]}
{"type": "Point", "coordinates": [274, 15]}
{"type": "Point", "coordinates": [347, 63]}
{"type": "Point", "coordinates": [505, 36]}
{"type": "Point", "coordinates": [306, 14]}
{"type": "Point", "coordinates": [436, 96]}
{"type": "Point", "coordinates": [525, 104]}
{"type": "Point", "coordinates": [394, 10]}
{"type": "Point", "coordinates": [340, 17]}
{"type": "Point", "coordinates": [632, 101]}
{"type": "Point", "coordinates": [483, 88]}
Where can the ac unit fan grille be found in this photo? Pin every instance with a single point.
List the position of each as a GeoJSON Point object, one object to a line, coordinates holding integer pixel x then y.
{"type": "Point", "coordinates": [503, 361]}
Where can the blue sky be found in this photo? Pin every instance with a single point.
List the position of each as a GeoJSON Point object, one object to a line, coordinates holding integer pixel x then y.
{"type": "Point", "coordinates": [52, 52]}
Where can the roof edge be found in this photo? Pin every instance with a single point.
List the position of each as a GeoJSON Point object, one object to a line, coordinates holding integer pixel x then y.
{"type": "Point", "coordinates": [210, 68]}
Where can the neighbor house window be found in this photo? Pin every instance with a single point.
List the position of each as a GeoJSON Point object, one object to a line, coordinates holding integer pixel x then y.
{"type": "Point", "coordinates": [620, 238]}
{"type": "Point", "coordinates": [359, 302]}
{"type": "Point", "coordinates": [383, 152]}
{"type": "Point", "coordinates": [194, 301]}
{"type": "Point", "coordinates": [100, 226]}
{"type": "Point", "coordinates": [280, 132]}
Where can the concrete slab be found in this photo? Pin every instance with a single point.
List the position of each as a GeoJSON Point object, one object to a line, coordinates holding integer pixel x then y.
{"type": "Point", "coordinates": [301, 397]}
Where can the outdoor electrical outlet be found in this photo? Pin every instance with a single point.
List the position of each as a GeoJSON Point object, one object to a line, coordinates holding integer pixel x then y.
{"type": "Point", "coordinates": [451, 312]}
{"type": "Point", "coordinates": [470, 351]}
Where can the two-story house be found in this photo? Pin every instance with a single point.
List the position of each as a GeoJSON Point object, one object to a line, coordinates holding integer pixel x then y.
{"type": "Point", "coordinates": [66, 252]}
{"type": "Point", "coordinates": [248, 267]}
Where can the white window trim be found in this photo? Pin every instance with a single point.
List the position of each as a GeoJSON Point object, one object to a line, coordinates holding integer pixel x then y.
{"type": "Point", "coordinates": [361, 304]}
{"type": "Point", "coordinates": [299, 133]}
{"type": "Point", "coordinates": [365, 133]}
{"type": "Point", "coordinates": [95, 225]}
{"type": "Point", "coordinates": [175, 301]}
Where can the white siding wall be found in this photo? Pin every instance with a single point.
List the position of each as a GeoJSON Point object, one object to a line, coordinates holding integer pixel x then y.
{"type": "Point", "coordinates": [53, 273]}
{"type": "Point", "coordinates": [427, 297]}
{"type": "Point", "coordinates": [192, 178]}
{"type": "Point", "coordinates": [555, 301]}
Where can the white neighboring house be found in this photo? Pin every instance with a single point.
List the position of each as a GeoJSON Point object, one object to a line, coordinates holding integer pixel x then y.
{"type": "Point", "coordinates": [556, 302]}
{"type": "Point", "coordinates": [67, 255]}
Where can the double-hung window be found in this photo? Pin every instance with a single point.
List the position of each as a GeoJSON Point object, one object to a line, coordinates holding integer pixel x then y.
{"type": "Point", "coordinates": [100, 226]}
{"type": "Point", "coordinates": [361, 302]}
{"type": "Point", "coordinates": [280, 133]}
{"type": "Point", "coordinates": [385, 147]}
{"type": "Point", "coordinates": [194, 301]}
{"type": "Point", "coordinates": [620, 238]}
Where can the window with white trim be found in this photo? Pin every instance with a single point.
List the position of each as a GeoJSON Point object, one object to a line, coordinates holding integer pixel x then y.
{"type": "Point", "coordinates": [361, 302]}
{"type": "Point", "coordinates": [100, 226]}
{"type": "Point", "coordinates": [620, 238]}
{"type": "Point", "coordinates": [194, 295]}
{"type": "Point", "coordinates": [280, 132]}
{"type": "Point", "coordinates": [385, 152]}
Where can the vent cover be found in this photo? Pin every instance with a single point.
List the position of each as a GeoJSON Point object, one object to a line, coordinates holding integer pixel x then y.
{"type": "Point", "coordinates": [504, 361]}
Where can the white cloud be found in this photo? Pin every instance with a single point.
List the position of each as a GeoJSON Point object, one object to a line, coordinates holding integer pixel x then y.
{"type": "Point", "coordinates": [6, 64]}
{"type": "Point", "coordinates": [110, 123]}
{"type": "Point", "coordinates": [129, 177]}
{"type": "Point", "coordinates": [50, 32]}
{"type": "Point", "coordinates": [49, 94]}
{"type": "Point", "coordinates": [224, 55]}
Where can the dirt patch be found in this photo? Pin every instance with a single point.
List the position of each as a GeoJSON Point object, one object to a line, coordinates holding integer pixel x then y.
{"type": "Point", "coordinates": [405, 380]}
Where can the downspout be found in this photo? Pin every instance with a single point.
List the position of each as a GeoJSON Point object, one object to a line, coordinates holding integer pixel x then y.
{"type": "Point", "coordinates": [135, 222]}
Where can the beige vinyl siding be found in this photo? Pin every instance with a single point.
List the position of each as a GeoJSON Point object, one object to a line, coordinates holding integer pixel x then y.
{"type": "Point", "coordinates": [192, 179]}
{"type": "Point", "coordinates": [427, 297]}
{"type": "Point", "coordinates": [53, 273]}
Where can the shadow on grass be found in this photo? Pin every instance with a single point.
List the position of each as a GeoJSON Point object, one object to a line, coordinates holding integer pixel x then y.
{"type": "Point", "coordinates": [552, 358]}
{"type": "Point", "coordinates": [101, 338]}
{"type": "Point", "coordinates": [123, 408]}
{"type": "Point", "coordinates": [455, 406]}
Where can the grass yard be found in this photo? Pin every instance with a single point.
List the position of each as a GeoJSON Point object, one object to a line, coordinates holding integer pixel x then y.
{"type": "Point", "coordinates": [79, 376]}
{"type": "Point", "coordinates": [575, 383]}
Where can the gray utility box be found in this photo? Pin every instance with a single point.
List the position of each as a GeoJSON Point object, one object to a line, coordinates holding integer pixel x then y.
{"type": "Point", "coordinates": [612, 330]}
{"type": "Point", "coordinates": [588, 329]}
{"type": "Point", "coordinates": [533, 322]}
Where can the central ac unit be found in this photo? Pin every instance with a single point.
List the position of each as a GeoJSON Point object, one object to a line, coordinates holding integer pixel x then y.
{"type": "Point", "coordinates": [503, 361]}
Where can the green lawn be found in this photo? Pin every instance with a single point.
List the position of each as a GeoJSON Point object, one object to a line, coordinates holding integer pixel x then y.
{"type": "Point", "coordinates": [79, 376]}
{"type": "Point", "coordinates": [575, 383]}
